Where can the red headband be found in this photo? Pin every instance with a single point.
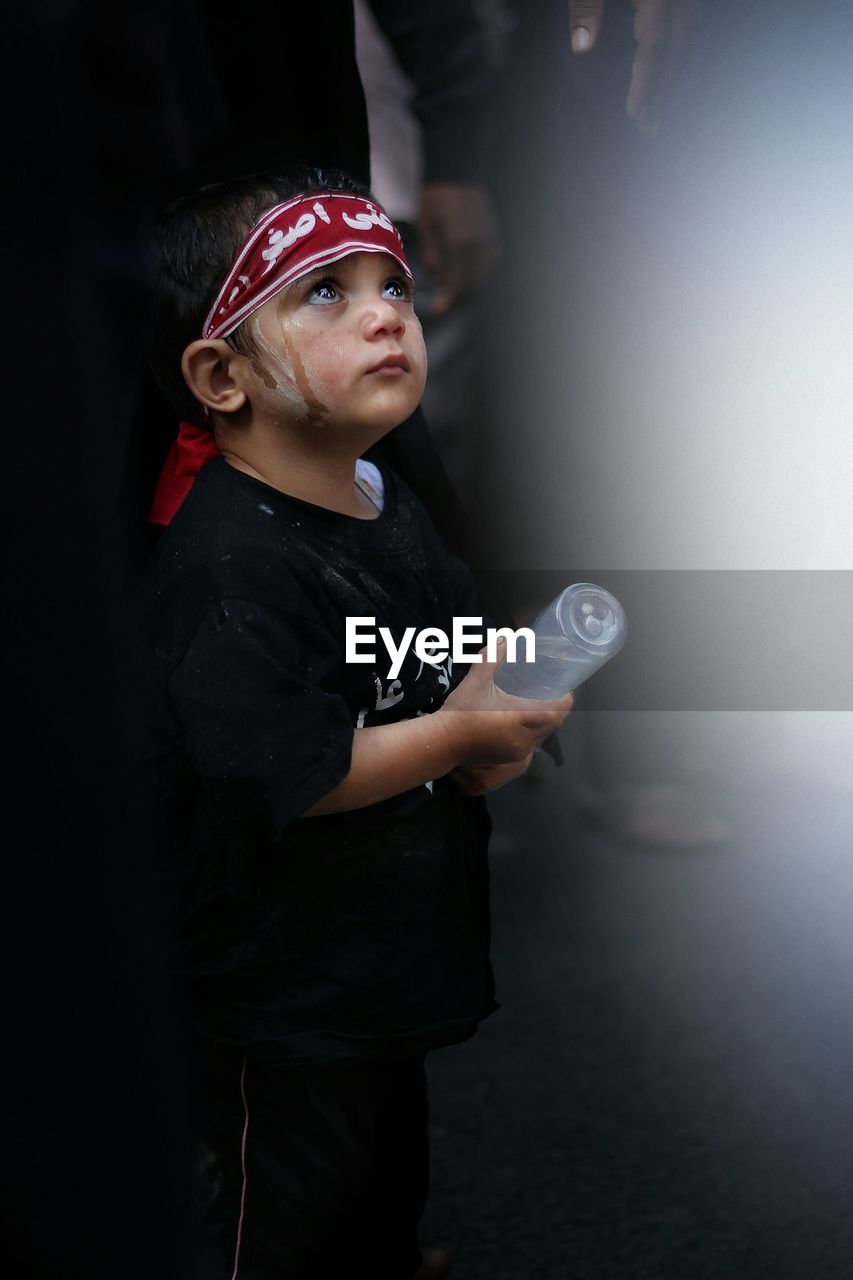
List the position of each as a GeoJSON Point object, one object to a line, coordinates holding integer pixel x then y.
{"type": "Point", "coordinates": [288, 242]}
{"type": "Point", "coordinates": [292, 239]}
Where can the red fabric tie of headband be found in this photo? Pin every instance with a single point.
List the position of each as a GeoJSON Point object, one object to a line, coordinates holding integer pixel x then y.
{"type": "Point", "coordinates": [288, 242]}
{"type": "Point", "coordinates": [187, 455]}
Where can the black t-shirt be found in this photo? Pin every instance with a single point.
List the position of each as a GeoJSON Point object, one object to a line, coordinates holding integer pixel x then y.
{"type": "Point", "coordinates": [359, 934]}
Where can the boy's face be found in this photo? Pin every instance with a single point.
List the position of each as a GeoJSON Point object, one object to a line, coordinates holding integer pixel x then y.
{"type": "Point", "coordinates": [342, 347]}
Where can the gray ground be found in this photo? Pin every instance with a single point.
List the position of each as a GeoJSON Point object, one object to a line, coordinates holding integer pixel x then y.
{"type": "Point", "coordinates": [667, 1090]}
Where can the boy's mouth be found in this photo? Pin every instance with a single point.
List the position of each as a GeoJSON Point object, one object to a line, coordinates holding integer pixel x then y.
{"type": "Point", "coordinates": [391, 364]}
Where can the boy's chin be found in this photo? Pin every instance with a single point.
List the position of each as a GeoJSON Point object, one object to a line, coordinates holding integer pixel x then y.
{"type": "Point", "coordinates": [370, 434]}
{"type": "Point", "coordinates": [377, 425]}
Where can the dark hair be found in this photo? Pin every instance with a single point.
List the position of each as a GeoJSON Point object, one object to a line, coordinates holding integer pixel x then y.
{"type": "Point", "coordinates": [198, 237]}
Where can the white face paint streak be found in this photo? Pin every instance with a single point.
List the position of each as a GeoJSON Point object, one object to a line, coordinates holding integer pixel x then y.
{"type": "Point", "coordinates": [284, 369]}
{"type": "Point", "coordinates": [275, 372]}
{"type": "Point", "coordinates": [298, 347]}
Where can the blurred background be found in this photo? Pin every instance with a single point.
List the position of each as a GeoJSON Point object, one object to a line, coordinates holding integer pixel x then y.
{"type": "Point", "coordinates": [661, 403]}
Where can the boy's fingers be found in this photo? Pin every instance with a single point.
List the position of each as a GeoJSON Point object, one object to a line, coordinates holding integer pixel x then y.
{"type": "Point", "coordinates": [500, 654]}
{"type": "Point", "coordinates": [563, 706]}
{"type": "Point", "coordinates": [551, 715]}
{"type": "Point", "coordinates": [538, 711]}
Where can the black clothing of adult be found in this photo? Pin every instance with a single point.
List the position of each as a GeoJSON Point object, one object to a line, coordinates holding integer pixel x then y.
{"type": "Point", "coordinates": [104, 108]}
{"type": "Point", "coordinates": [305, 105]}
{"type": "Point", "coordinates": [353, 935]}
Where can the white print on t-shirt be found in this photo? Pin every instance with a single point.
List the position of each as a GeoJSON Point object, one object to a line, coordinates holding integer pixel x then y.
{"type": "Point", "coordinates": [390, 696]}
{"type": "Point", "coordinates": [385, 698]}
{"type": "Point", "coordinates": [443, 672]}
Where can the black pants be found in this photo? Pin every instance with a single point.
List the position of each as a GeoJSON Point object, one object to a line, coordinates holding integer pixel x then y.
{"type": "Point", "coordinates": [309, 1173]}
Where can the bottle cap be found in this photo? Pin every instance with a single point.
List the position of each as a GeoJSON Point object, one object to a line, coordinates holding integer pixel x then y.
{"type": "Point", "coordinates": [592, 617]}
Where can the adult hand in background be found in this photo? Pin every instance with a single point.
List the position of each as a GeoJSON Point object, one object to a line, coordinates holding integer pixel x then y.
{"type": "Point", "coordinates": [458, 239]}
{"type": "Point", "coordinates": [662, 31]}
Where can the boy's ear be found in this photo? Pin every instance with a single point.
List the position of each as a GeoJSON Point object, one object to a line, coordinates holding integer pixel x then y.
{"type": "Point", "coordinates": [209, 367]}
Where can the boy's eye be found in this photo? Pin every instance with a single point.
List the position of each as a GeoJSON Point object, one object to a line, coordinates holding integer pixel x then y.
{"type": "Point", "coordinates": [323, 291]}
{"type": "Point", "coordinates": [398, 289]}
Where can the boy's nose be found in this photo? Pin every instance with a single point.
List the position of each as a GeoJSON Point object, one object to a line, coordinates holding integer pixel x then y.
{"type": "Point", "coordinates": [383, 317]}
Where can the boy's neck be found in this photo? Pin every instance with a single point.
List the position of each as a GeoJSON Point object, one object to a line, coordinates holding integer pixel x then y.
{"type": "Point", "coordinates": [319, 470]}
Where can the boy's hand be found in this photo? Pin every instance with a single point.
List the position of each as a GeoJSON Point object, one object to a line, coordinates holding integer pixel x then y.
{"type": "Point", "coordinates": [477, 780]}
{"type": "Point", "coordinates": [489, 727]}
{"type": "Point", "coordinates": [481, 733]}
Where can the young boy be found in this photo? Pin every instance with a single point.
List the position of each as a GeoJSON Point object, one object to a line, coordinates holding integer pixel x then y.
{"type": "Point", "coordinates": [329, 860]}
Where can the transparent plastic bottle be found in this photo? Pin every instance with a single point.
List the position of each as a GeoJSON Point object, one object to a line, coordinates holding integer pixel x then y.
{"type": "Point", "coordinates": [580, 630]}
